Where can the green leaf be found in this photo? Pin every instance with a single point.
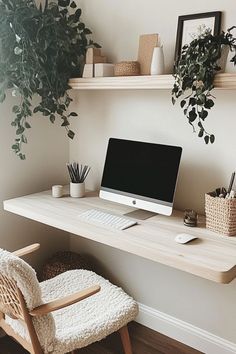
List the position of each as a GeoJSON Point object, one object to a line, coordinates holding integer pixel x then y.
{"type": "Point", "coordinates": [15, 109]}
{"type": "Point", "coordinates": [73, 114]}
{"type": "Point", "coordinates": [73, 5]}
{"type": "Point", "coordinates": [52, 118]}
{"type": "Point", "coordinates": [36, 109]}
{"type": "Point", "coordinates": [22, 156]}
{"type": "Point", "coordinates": [24, 139]}
{"type": "Point", "coordinates": [182, 103]}
{"type": "Point", "coordinates": [87, 31]}
{"type": "Point", "coordinates": [65, 123]}
{"type": "Point", "coordinates": [27, 125]}
{"type": "Point", "coordinates": [78, 13]}
{"type": "Point", "coordinates": [192, 115]}
{"type": "Point", "coordinates": [70, 134]}
{"type": "Point", "coordinates": [209, 104]}
{"type": "Point", "coordinates": [203, 114]}
{"type": "Point", "coordinates": [46, 113]}
{"type": "Point", "coordinates": [212, 138]}
{"type": "Point", "coordinates": [20, 130]}
{"type": "Point", "coordinates": [63, 3]}
{"type": "Point", "coordinates": [201, 132]}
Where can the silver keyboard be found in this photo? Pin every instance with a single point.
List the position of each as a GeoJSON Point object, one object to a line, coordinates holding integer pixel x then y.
{"type": "Point", "coordinates": [98, 217]}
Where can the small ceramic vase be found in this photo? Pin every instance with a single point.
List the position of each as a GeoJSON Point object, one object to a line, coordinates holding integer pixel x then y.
{"type": "Point", "coordinates": [157, 64]}
{"type": "Point", "coordinates": [77, 190]}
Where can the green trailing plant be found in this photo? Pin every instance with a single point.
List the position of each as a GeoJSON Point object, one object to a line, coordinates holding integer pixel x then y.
{"type": "Point", "coordinates": [41, 48]}
{"type": "Point", "coordinates": [194, 77]}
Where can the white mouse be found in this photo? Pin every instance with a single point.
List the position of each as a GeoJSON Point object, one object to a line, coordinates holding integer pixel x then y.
{"type": "Point", "coordinates": [184, 238]}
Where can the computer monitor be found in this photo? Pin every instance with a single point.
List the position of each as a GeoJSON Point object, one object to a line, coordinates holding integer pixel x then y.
{"type": "Point", "coordinates": [142, 175]}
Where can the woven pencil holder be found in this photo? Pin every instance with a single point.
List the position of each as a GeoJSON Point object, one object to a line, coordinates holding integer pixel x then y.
{"type": "Point", "coordinates": [127, 68]}
{"type": "Point", "coordinates": [221, 215]}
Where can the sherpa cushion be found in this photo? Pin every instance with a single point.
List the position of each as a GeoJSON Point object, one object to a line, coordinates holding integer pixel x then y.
{"type": "Point", "coordinates": [91, 319]}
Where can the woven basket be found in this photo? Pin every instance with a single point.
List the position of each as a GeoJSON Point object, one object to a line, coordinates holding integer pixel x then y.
{"type": "Point", "coordinates": [127, 68]}
{"type": "Point", "coordinates": [221, 215]}
{"type": "Point", "coordinates": [62, 262]}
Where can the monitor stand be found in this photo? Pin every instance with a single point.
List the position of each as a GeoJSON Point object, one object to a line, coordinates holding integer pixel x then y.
{"type": "Point", "coordinates": [140, 214]}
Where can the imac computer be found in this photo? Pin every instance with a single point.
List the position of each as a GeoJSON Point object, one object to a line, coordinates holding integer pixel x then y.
{"type": "Point", "coordinates": [142, 175]}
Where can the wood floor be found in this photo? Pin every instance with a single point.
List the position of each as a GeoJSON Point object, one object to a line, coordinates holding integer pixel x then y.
{"type": "Point", "coordinates": [144, 341]}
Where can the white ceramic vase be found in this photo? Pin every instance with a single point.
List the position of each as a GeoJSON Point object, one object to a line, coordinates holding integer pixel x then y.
{"type": "Point", "coordinates": [77, 190]}
{"type": "Point", "coordinates": [157, 64]}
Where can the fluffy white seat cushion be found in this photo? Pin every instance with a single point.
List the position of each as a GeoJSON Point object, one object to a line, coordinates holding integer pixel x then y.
{"type": "Point", "coordinates": [91, 319]}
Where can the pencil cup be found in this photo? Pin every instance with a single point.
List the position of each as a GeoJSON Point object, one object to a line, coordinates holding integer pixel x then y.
{"type": "Point", "coordinates": [57, 191]}
{"type": "Point", "coordinates": [77, 190]}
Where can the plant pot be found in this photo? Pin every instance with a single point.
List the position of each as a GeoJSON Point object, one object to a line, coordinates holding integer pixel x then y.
{"type": "Point", "coordinates": [77, 190]}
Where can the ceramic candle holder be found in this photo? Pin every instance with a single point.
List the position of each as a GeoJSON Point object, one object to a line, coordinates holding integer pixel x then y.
{"type": "Point", "coordinates": [57, 191]}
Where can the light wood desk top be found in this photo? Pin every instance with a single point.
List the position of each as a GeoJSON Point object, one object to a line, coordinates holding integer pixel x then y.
{"type": "Point", "coordinates": [212, 256]}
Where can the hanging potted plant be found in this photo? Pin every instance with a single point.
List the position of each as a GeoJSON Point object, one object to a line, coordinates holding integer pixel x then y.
{"type": "Point", "coordinates": [41, 48]}
{"type": "Point", "coordinates": [194, 77]}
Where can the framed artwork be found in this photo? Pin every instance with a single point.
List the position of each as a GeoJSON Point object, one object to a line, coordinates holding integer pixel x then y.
{"type": "Point", "coordinates": [191, 26]}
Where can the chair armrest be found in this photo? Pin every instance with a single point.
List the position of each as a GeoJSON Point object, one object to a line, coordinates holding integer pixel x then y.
{"type": "Point", "coordinates": [65, 301]}
{"type": "Point", "coordinates": [26, 250]}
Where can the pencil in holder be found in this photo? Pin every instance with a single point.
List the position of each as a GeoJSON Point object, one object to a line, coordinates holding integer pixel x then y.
{"type": "Point", "coordinates": [220, 215]}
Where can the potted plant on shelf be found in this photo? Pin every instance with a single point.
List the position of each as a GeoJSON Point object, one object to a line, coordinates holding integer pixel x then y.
{"type": "Point", "coordinates": [194, 77]}
{"type": "Point", "coordinates": [41, 48]}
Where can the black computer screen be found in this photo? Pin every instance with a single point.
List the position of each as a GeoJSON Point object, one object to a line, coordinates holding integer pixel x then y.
{"type": "Point", "coordinates": [142, 169]}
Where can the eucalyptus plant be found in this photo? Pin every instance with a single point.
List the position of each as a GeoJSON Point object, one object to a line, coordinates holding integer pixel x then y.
{"type": "Point", "coordinates": [41, 48]}
{"type": "Point", "coordinates": [194, 77]}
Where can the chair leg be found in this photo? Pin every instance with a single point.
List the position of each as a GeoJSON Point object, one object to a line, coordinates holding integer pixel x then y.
{"type": "Point", "coordinates": [124, 334]}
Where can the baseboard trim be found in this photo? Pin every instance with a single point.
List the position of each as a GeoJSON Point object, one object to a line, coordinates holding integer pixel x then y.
{"type": "Point", "coordinates": [184, 332]}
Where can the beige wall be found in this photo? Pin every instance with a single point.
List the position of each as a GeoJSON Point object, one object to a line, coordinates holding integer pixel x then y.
{"type": "Point", "coordinates": [47, 153]}
{"type": "Point", "coordinates": [149, 116]}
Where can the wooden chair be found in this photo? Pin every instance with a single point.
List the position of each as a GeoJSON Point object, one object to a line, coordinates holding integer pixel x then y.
{"type": "Point", "coordinates": [105, 309]}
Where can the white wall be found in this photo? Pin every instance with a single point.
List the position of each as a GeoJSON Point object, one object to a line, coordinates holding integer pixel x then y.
{"type": "Point", "coordinates": [149, 116]}
{"type": "Point", "coordinates": [47, 153]}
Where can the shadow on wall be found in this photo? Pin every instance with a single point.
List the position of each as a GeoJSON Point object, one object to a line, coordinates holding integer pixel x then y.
{"type": "Point", "coordinates": [194, 174]}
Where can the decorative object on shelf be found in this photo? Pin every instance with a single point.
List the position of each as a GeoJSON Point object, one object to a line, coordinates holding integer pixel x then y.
{"type": "Point", "coordinates": [190, 218]}
{"type": "Point", "coordinates": [220, 207]}
{"type": "Point", "coordinates": [191, 26]}
{"type": "Point", "coordinates": [57, 191]}
{"type": "Point", "coordinates": [41, 49]}
{"type": "Point", "coordinates": [94, 56]}
{"type": "Point", "coordinates": [127, 68]}
{"type": "Point", "coordinates": [88, 71]}
{"type": "Point", "coordinates": [194, 77]}
{"type": "Point", "coordinates": [104, 70]}
{"type": "Point", "coordinates": [78, 174]}
{"type": "Point", "coordinates": [147, 42]}
{"type": "Point", "coordinates": [157, 64]}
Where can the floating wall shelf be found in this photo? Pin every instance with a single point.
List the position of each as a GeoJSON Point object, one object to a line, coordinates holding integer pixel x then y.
{"type": "Point", "coordinates": [222, 81]}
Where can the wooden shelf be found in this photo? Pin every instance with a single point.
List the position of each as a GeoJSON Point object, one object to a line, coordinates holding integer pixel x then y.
{"type": "Point", "coordinates": [222, 81]}
{"type": "Point", "coordinates": [212, 256]}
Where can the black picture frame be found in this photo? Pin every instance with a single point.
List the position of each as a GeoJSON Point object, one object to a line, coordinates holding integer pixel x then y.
{"type": "Point", "coordinates": [217, 15]}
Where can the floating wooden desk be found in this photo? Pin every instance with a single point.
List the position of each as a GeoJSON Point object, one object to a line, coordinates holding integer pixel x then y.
{"type": "Point", "coordinates": [211, 257]}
